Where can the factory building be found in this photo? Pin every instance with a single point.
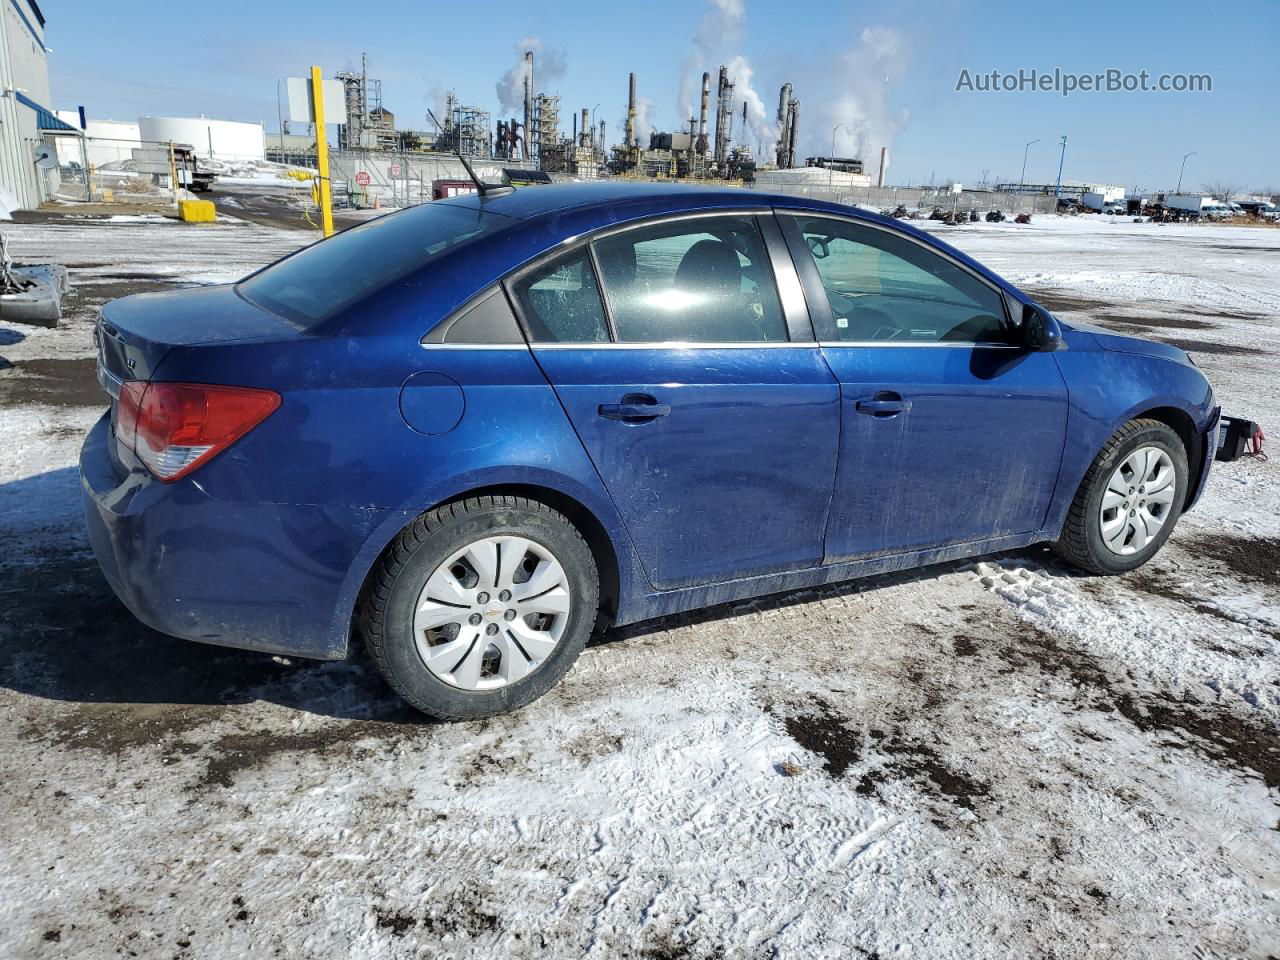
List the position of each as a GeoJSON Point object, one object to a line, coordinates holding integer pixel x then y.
{"type": "Point", "coordinates": [28, 167]}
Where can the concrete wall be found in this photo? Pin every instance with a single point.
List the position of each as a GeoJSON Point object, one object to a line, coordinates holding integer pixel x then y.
{"type": "Point", "coordinates": [23, 65]}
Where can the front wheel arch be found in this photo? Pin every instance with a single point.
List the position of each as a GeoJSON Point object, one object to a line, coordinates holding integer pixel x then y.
{"type": "Point", "coordinates": [1192, 442]}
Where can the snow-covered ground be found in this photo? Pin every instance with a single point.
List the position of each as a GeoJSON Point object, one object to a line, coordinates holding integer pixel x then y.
{"type": "Point", "coordinates": [999, 759]}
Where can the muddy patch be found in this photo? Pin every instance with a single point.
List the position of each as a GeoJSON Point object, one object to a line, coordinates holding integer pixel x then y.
{"type": "Point", "coordinates": [1217, 349]}
{"type": "Point", "coordinates": [1249, 746]}
{"type": "Point", "coordinates": [1252, 559]}
{"type": "Point", "coordinates": [1160, 585]}
{"type": "Point", "coordinates": [822, 732]}
{"type": "Point", "coordinates": [459, 918]}
{"type": "Point", "coordinates": [235, 753]}
{"type": "Point", "coordinates": [889, 754]}
{"type": "Point", "coordinates": [1057, 302]}
{"type": "Point", "coordinates": [51, 381]}
{"type": "Point", "coordinates": [1171, 322]}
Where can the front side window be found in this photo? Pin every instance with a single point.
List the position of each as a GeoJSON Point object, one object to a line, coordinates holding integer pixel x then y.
{"type": "Point", "coordinates": [705, 279]}
{"type": "Point", "coordinates": [884, 287]}
{"type": "Point", "coordinates": [561, 302]}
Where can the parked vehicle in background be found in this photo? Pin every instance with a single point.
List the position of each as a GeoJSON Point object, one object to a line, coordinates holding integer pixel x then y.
{"type": "Point", "coordinates": [1263, 209]}
{"type": "Point", "coordinates": [466, 433]}
{"type": "Point", "coordinates": [1193, 204]}
{"type": "Point", "coordinates": [1103, 202]}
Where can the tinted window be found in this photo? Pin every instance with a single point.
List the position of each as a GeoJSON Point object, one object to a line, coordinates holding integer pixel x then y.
{"type": "Point", "coordinates": [704, 279]}
{"type": "Point", "coordinates": [325, 278]}
{"type": "Point", "coordinates": [885, 287]}
{"type": "Point", "coordinates": [561, 301]}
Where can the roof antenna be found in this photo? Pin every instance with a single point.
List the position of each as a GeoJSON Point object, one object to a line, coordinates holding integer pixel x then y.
{"type": "Point", "coordinates": [482, 188]}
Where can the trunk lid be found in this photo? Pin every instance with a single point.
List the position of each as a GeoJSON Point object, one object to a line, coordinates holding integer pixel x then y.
{"type": "Point", "coordinates": [135, 333]}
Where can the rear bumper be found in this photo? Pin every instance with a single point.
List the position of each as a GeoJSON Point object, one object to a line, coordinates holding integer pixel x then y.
{"type": "Point", "coordinates": [261, 576]}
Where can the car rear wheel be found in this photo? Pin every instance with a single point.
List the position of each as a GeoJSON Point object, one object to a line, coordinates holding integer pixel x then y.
{"type": "Point", "coordinates": [481, 606]}
{"type": "Point", "coordinates": [1129, 501]}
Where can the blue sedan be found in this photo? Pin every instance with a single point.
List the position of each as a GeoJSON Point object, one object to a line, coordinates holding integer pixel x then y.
{"type": "Point", "coordinates": [467, 433]}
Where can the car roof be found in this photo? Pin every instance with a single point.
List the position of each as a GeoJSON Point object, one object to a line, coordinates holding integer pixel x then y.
{"type": "Point", "coordinates": [531, 203]}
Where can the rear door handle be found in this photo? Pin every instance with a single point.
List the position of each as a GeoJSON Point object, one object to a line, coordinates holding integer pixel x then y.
{"type": "Point", "coordinates": [635, 408]}
{"type": "Point", "coordinates": [883, 405]}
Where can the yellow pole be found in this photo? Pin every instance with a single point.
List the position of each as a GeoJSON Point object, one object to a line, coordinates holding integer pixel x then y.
{"type": "Point", "coordinates": [173, 175]}
{"type": "Point", "coordinates": [322, 153]}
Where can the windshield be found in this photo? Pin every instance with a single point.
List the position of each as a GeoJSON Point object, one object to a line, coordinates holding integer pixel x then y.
{"type": "Point", "coordinates": [320, 281]}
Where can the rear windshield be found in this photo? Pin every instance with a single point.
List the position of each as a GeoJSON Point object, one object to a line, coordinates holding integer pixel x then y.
{"type": "Point", "coordinates": [322, 280]}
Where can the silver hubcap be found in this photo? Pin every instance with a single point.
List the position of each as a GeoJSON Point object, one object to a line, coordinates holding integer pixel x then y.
{"type": "Point", "coordinates": [1137, 501]}
{"type": "Point", "coordinates": [492, 613]}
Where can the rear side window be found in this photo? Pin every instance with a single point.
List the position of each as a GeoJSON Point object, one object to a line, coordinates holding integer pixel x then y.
{"type": "Point", "coordinates": [882, 286]}
{"type": "Point", "coordinates": [705, 279]}
{"type": "Point", "coordinates": [561, 301]}
{"type": "Point", "coordinates": [320, 281]}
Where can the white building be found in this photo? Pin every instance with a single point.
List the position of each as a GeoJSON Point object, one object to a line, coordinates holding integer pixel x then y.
{"type": "Point", "coordinates": [108, 141]}
{"type": "Point", "coordinates": [211, 139]}
{"type": "Point", "coordinates": [815, 177]}
{"type": "Point", "coordinates": [24, 115]}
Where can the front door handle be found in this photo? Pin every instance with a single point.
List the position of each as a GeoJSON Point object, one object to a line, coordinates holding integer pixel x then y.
{"type": "Point", "coordinates": [883, 405]}
{"type": "Point", "coordinates": [635, 408]}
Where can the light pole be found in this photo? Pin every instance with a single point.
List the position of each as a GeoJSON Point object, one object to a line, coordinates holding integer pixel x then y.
{"type": "Point", "coordinates": [1183, 170]}
{"type": "Point", "coordinates": [1023, 179]}
{"type": "Point", "coordinates": [1057, 189]}
{"type": "Point", "coordinates": [831, 173]}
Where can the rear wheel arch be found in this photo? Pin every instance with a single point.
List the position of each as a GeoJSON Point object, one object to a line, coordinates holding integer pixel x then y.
{"type": "Point", "coordinates": [573, 510]}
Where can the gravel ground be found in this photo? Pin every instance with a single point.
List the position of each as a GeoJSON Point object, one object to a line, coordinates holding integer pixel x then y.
{"type": "Point", "coordinates": [995, 759]}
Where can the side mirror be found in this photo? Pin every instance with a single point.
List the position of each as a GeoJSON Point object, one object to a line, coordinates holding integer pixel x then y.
{"type": "Point", "coordinates": [1039, 332]}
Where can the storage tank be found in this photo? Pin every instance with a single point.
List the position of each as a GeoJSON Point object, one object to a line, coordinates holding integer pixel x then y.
{"type": "Point", "coordinates": [110, 141]}
{"type": "Point", "coordinates": [211, 139]}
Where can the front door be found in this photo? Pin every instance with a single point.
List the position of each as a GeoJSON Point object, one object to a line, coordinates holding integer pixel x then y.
{"type": "Point", "coordinates": [949, 432]}
{"type": "Point", "coordinates": [714, 429]}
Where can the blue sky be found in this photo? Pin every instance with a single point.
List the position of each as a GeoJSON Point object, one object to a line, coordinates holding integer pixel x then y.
{"type": "Point", "coordinates": [888, 71]}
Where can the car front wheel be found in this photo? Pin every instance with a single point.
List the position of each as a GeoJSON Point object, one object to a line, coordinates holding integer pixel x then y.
{"type": "Point", "coordinates": [1129, 501]}
{"type": "Point", "coordinates": [481, 606]}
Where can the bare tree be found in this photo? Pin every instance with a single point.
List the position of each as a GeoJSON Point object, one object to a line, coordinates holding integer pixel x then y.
{"type": "Point", "coordinates": [1222, 190]}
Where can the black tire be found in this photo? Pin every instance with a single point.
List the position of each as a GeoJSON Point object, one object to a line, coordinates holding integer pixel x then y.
{"type": "Point", "coordinates": [1081, 541]}
{"type": "Point", "coordinates": [388, 605]}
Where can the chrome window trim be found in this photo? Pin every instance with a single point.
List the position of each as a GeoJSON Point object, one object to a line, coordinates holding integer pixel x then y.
{"type": "Point", "coordinates": [682, 345]}
{"type": "Point", "coordinates": [945, 344]}
{"type": "Point", "coordinates": [473, 346]}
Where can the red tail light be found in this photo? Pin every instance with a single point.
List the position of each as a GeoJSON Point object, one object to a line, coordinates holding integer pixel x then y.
{"type": "Point", "coordinates": [175, 427]}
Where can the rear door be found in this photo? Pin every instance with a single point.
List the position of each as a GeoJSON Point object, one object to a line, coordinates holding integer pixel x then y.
{"type": "Point", "coordinates": [949, 432]}
{"type": "Point", "coordinates": [689, 370]}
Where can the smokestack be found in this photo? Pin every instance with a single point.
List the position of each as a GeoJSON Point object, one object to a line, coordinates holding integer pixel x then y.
{"type": "Point", "coordinates": [585, 128]}
{"type": "Point", "coordinates": [792, 126]}
{"type": "Point", "coordinates": [528, 102]}
{"type": "Point", "coordinates": [602, 145]}
{"type": "Point", "coordinates": [784, 120]}
{"type": "Point", "coordinates": [575, 129]}
{"type": "Point", "coordinates": [884, 165]}
{"type": "Point", "coordinates": [724, 117]}
{"type": "Point", "coordinates": [631, 113]}
{"type": "Point", "coordinates": [702, 116]}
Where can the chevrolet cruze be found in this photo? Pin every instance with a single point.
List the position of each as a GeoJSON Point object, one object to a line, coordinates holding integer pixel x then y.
{"type": "Point", "coordinates": [467, 433]}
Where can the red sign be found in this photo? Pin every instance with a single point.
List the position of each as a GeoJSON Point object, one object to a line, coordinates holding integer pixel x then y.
{"type": "Point", "coordinates": [395, 169]}
{"type": "Point", "coordinates": [362, 178]}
